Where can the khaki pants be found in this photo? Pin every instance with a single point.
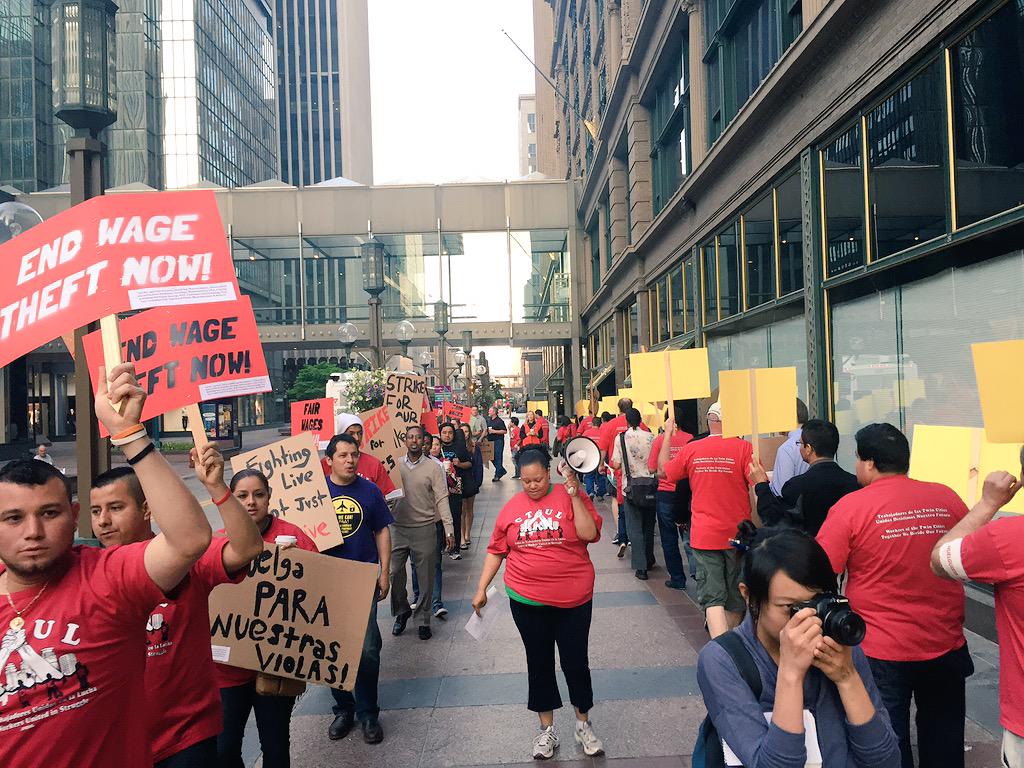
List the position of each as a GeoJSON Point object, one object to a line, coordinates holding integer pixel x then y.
{"type": "Point", "coordinates": [419, 544]}
{"type": "Point", "coordinates": [1013, 750]}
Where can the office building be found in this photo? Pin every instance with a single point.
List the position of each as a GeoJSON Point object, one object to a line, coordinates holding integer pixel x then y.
{"type": "Point", "coordinates": [527, 134]}
{"type": "Point", "coordinates": [219, 98]}
{"type": "Point", "coordinates": [323, 88]}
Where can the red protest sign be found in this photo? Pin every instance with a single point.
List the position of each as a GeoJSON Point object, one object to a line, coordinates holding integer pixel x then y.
{"type": "Point", "coordinates": [429, 417]}
{"type": "Point", "coordinates": [451, 410]}
{"type": "Point", "coordinates": [316, 416]}
{"type": "Point", "coordinates": [111, 254]}
{"type": "Point", "coordinates": [185, 355]}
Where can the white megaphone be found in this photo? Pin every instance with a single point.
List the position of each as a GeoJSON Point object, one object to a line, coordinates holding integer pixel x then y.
{"type": "Point", "coordinates": [581, 455]}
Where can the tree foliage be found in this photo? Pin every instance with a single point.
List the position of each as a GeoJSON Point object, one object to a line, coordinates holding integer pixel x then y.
{"type": "Point", "coordinates": [311, 381]}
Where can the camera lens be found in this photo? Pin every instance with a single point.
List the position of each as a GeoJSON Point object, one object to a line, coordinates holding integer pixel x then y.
{"type": "Point", "coordinates": [844, 626]}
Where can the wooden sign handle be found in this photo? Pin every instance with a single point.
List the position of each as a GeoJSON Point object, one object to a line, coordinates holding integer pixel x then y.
{"type": "Point", "coordinates": [196, 425]}
{"type": "Point", "coordinates": [755, 436]}
{"type": "Point", "coordinates": [111, 336]}
{"type": "Point", "coordinates": [668, 384]}
{"type": "Point", "coordinates": [974, 479]}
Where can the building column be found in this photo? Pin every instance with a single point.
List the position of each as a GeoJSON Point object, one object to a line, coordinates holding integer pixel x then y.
{"type": "Point", "coordinates": [619, 329]}
{"type": "Point", "coordinates": [617, 180]}
{"type": "Point", "coordinates": [819, 401]}
{"type": "Point", "coordinates": [810, 9]}
{"type": "Point", "coordinates": [602, 243]}
{"type": "Point", "coordinates": [638, 144]}
{"type": "Point", "coordinates": [698, 86]}
{"type": "Point", "coordinates": [643, 319]}
{"type": "Point", "coordinates": [613, 34]}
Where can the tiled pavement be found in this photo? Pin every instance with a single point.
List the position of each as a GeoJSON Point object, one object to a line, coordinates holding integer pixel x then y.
{"type": "Point", "coordinates": [454, 701]}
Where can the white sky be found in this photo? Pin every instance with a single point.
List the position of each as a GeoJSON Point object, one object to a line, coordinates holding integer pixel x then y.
{"type": "Point", "coordinates": [445, 85]}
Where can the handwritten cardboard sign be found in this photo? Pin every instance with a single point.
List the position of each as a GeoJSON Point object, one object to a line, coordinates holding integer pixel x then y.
{"type": "Point", "coordinates": [450, 410]}
{"type": "Point", "coordinates": [315, 416]}
{"type": "Point", "coordinates": [298, 487]}
{"type": "Point", "coordinates": [403, 397]}
{"type": "Point", "coordinates": [186, 355]}
{"type": "Point", "coordinates": [111, 254]}
{"type": "Point", "coordinates": [298, 614]}
{"type": "Point", "coordinates": [380, 440]}
{"type": "Point", "coordinates": [688, 369]}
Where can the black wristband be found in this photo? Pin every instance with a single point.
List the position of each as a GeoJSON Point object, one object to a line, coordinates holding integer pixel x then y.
{"type": "Point", "coordinates": [141, 455]}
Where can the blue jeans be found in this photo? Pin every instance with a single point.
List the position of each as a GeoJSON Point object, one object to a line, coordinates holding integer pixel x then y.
{"type": "Point", "coordinates": [670, 535]}
{"type": "Point", "coordinates": [592, 481]}
{"type": "Point", "coordinates": [435, 603]}
{"type": "Point", "coordinates": [499, 457]}
{"type": "Point", "coordinates": [622, 534]}
{"type": "Point", "coordinates": [363, 700]}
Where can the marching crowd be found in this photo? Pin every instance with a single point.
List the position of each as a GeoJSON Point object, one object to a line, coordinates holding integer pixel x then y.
{"type": "Point", "coordinates": [797, 673]}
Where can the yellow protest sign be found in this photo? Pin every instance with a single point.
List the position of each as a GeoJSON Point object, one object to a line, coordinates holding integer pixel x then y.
{"type": "Point", "coordinates": [999, 369]}
{"type": "Point", "coordinates": [537, 405]}
{"type": "Point", "coordinates": [582, 407]}
{"type": "Point", "coordinates": [689, 371]}
{"type": "Point", "coordinates": [757, 401]}
{"type": "Point", "coordinates": [610, 404]}
{"type": "Point", "coordinates": [627, 392]}
{"type": "Point", "coordinates": [653, 416]}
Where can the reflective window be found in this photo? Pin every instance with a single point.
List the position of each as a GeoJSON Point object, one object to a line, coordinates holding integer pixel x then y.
{"type": "Point", "coordinates": [709, 282]}
{"type": "Point", "coordinates": [690, 270]}
{"type": "Point", "coordinates": [759, 255]}
{"type": "Point", "coordinates": [988, 111]}
{"type": "Point", "coordinates": [907, 149]}
{"type": "Point", "coordinates": [677, 313]}
{"type": "Point", "coordinates": [728, 270]}
{"type": "Point", "coordinates": [843, 189]}
{"type": "Point", "coordinates": [595, 259]}
{"type": "Point", "coordinates": [664, 327]}
{"type": "Point", "coordinates": [790, 245]}
{"type": "Point", "coordinates": [670, 122]}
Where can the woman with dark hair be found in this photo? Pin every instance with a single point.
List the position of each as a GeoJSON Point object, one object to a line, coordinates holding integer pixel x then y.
{"type": "Point", "coordinates": [472, 479]}
{"type": "Point", "coordinates": [542, 534]}
{"type": "Point", "coordinates": [631, 451]}
{"type": "Point", "coordinates": [514, 442]}
{"type": "Point", "coordinates": [818, 703]}
{"type": "Point", "coordinates": [455, 460]}
{"type": "Point", "coordinates": [238, 686]}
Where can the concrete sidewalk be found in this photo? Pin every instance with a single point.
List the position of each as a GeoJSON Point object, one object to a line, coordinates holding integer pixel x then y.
{"type": "Point", "coordinates": [453, 701]}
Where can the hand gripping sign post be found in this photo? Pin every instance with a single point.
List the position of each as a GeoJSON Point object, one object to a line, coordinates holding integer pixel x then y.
{"type": "Point", "coordinates": [757, 401]}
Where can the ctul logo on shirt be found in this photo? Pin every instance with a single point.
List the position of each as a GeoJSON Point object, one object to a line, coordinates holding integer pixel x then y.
{"type": "Point", "coordinates": [540, 528]}
{"type": "Point", "coordinates": [350, 515]}
{"type": "Point", "coordinates": [25, 669]}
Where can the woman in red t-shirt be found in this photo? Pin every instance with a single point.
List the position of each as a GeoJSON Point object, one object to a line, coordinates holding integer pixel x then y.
{"type": "Point", "coordinates": [238, 686]}
{"type": "Point", "coordinates": [514, 443]}
{"type": "Point", "coordinates": [542, 535]}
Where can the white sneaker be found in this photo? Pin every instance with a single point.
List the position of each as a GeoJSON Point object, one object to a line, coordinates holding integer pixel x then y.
{"type": "Point", "coordinates": [585, 738]}
{"type": "Point", "coordinates": [455, 556]}
{"type": "Point", "coordinates": [441, 613]}
{"type": "Point", "coordinates": [545, 744]}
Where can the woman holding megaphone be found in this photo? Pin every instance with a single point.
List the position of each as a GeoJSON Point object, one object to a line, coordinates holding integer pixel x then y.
{"type": "Point", "coordinates": [542, 534]}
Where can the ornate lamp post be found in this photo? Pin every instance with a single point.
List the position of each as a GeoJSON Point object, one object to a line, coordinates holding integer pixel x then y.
{"type": "Point", "coordinates": [405, 332]}
{"type": "Point", "coordinates": [348, 334]}
{"type": "Point", "coordinates": [424, 359]}
{"type": "Point", "coordinates": [373, 283]}
{"type": "Point", "coordinates": [441, 317]}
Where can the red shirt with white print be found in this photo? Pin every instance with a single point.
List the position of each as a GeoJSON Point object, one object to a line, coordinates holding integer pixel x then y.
{"type": "Point", "coordinates": [226, 675]}
{"type": "Point", "coordinates": [183, 698]}
{"type": "Point", "coordinates": [73, 677]}
{"type": "Point", "coordinates": [882, 536]}
{"type": "Point", "coordinates": [679, 439]}
{"type": "Point", "coordinates": [994, 554]}
{"type": "Point", "coordinates": [545, 560]}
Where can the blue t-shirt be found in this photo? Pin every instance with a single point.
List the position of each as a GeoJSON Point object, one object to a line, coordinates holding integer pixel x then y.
{"type": "Point", "coordinates": [361, 512]}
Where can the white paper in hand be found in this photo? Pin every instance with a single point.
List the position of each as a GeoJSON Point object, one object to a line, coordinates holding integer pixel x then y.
{"type": "Point", "coordinates": [480, 626]}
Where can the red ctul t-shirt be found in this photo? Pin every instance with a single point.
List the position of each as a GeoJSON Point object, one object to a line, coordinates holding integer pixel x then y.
{"type": "Point", "coordinates": [226, 675]}
{"type": "Point", "coordinates": [994, 555]}
{"type": "Point", "coordinates": [717, 469]}
{"type": "Point", "coordinates": [544, 559]}
{"type": "Point", "coordinates": [184, 702]}
{"type": "Point", "coordinates": [369, 468]}
{"type": "Point", "coordinates": [73, 677]}
{"type": "Point", "coordinates": [883, 536]}
{"type": "Point", "coordinates": [679, 439]}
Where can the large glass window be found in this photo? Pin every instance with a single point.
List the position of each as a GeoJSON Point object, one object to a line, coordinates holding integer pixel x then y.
{"type": "Point", "coordinates": [906, 158]}
{"type": "Point", "coordinates": [843, 188]}
{"type": "Point", "coordinates": [787, 345]}
{"type": "Point", "coordinates": [709, 282]}
{"type": "Point", "coordinates": [664, 327]}
{"type": "Point", "coordinates": [595, 259]}
{"type": "Point", "coordinates": [759, 256]}
{"type": "Point", "coordinates": [670, 122]}
{"type": "Point", "coordinates": [677, 314]}
{"type": "Point", "coordinates": [690, 270]}
{"type": "Point", "coordinates": [988, 110]}
{"type": "Point", "coordinates": [790, 245]}
{"type": "Point", "coordinates": [728, 270]}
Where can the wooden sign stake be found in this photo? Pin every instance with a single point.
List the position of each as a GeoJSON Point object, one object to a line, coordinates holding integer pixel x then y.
{"type": "Point", "coordinates": [196, 425]}
{"type": "Point", "coordinates": [111, 336]}
{"type": "Point", "coordinates": [974, 473]}
{"type": "Point", "coordinates": [670, 403]}
{"type": "Point", "coordinates": [756, 436]}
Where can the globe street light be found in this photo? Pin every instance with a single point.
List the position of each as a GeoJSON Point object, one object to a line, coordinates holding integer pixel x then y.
{"type": "Point", "coordinates": [404, 333]}
{"type": "Point", "coordinates": [441, 316]}
{"type": "Point", "coordinates": [373, 254]}
{"type": "Point", "coordinates": [424, 359]}
{"type": "Point", "coordinates": [348, 334]}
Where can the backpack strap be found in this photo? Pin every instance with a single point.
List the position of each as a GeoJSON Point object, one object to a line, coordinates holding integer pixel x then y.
{"type": "Point", "coordinates": [625, 458]}
{"type": "Point", "coordinates": [743, 660]}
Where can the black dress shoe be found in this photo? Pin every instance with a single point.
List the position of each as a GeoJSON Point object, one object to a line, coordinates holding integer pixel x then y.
{"type": "Point", "coordinates": [400, 621]}
{"type": "Point", "coordinates": [642, 575]}
{"type": "Point", "coordinates": [372, 732]}
{"type": "Point", "coordinates": [425, 633]}
{"type": "Point", "coordinates": [341, 726]}
{"type": "Point", "coordinates": [681, 585]}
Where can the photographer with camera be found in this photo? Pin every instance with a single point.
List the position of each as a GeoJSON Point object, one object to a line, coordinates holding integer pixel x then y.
{"type": "Point", "coordinates": [792, 656]}
{"type": "Point", "coordinates": [882, 536]}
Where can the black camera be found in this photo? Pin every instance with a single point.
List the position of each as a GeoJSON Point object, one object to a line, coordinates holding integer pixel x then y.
{"type": "Point", "coordinates": [838, 619]}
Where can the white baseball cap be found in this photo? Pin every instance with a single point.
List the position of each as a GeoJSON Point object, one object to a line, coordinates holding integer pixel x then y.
{"type": "Point", "coordinates": [715, 410]}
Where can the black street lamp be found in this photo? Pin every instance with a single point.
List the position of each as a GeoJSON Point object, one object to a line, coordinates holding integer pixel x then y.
{"type": "Point", "coordinates": [441, 317]}
{"type": "Point", "coordinates": [84, 74]}
{"type": "Point", "coordinates": [348, 334]}
{"type": "Point", "coordinates": [373, 254]}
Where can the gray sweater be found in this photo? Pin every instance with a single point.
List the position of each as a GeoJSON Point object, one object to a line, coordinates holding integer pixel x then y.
{"type": "Point", "coordinates": [425, 498]}
{"type": "Point", "coordinates": [758, 743]}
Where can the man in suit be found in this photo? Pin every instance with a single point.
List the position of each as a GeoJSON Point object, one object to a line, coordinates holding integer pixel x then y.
{"type": "Point", "coordinates": [806, 498]}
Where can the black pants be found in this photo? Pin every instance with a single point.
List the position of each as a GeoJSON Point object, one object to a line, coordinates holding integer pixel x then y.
{"type": "Point", "coordinates": [938, 689]}
{"type": "Point", "coordinates": [201, 755]}
{"type": "Point", "coordinates": [542, 628]}
{"type": "Point", "coordinates": [455, 506]}
{"type": "Point", "coordinates": [273, 721]}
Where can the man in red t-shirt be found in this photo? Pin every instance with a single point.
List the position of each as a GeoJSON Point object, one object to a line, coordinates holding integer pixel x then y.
{"type": "Point", "coordinates": [74, 617]}
{"type": "Point", "coordinates": [369, 467]}
{"type": "Point", "coordinates": [882, 536]}
{"type": "Point", "coordinates": [717, 470]}
{"type": "Point", "coordinates": [181, 690]}
{"type": "Point", "coordinates": [666, 500]}
{"type": "Point", "coordinates": [992, 552]}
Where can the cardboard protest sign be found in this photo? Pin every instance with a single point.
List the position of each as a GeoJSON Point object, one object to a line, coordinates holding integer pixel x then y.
{"type": "Point", "coordinates": [186, 355]}
{"type": "Point", "coordinates": [486, 451]}
{"type": "Point", "coordinates": [450, 410]}
{"type": "Point", "coordinates": [961, 458]}
{"type": "Point", "coordinates": [685, 371]}
{"type": "Point", "coordinates": [757, 401]}
{"type": "Point", "coordinates": [315, 416]}
{"type": "Point", "coordinates": [111, 254]}
{"type": "Point", "coordinates": [403, 397]}
{"type": "Point", "coordinates": [380, 440]}
{"type": "Point", "coordinates": [298, 488]}
{"type": "Point", "coordinates": [298, 614]}
{"type": "Point", "coordinates": [582, 407]}
{"type": "Point", "coordinates": [999, 369]}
